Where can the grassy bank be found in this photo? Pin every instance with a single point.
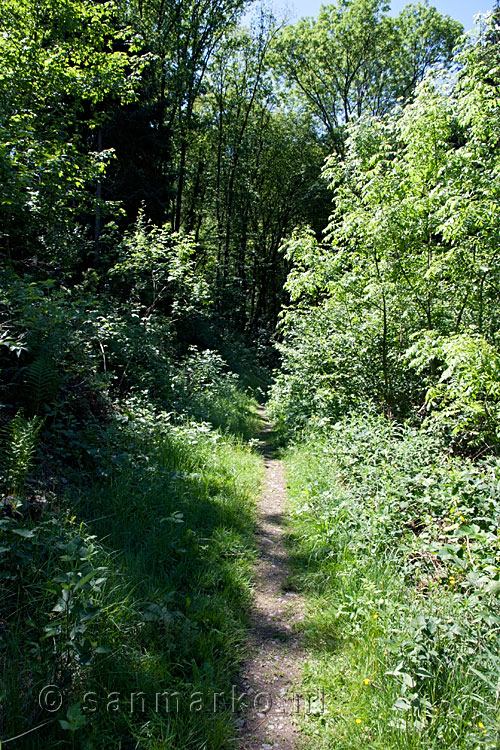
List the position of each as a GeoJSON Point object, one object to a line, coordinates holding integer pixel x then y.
{"type": "Point", "coordinates": [133, 580]}
{"type": "Point", "coordinates": [396, 546]}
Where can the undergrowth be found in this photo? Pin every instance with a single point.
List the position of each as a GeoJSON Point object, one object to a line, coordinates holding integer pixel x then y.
{"type": "Point", "coordinates": [396, 545]}
{"type": "Point", "coordinates": [129, 592]}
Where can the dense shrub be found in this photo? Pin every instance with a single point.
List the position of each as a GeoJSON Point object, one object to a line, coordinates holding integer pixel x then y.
{"type": "Point", "coordinates": [465, 402]}
{"type": "Point", "coordinates": [411, 248]}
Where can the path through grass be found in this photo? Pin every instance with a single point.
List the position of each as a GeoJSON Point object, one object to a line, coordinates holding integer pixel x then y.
{"type": "Point", "coordinates": [271, 672]}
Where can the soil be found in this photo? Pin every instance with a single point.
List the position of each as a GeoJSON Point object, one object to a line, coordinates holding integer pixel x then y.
{"type": "Point", "coordinates": [271, 700]}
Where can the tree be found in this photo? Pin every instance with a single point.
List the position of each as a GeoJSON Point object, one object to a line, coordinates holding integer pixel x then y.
{"type": "Point", "coordinates": [60, 65]}
{"type": "Point", "coordinates": [412, 245]}
{"type": "Point", "coordinates": [256, 187]}
{"type": "Point", "coordinates": [182, 38]}
{"type": "Point", "coordinates": [354, 59]}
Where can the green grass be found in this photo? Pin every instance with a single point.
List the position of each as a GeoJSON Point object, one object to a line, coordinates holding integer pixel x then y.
{"type": "Point", "coordinates": [138, 581]}
{"type": "Point", "coordinates": [392, 545]}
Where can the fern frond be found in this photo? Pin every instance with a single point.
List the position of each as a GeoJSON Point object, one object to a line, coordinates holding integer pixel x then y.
{"type": "Point", "coordinates": [41, 382]}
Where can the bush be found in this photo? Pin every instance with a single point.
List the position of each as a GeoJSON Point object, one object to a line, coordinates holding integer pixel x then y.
{"type": "Point", "coordinates": [205, 389]}
{"type": "Point", "coordinates": [464, 402]}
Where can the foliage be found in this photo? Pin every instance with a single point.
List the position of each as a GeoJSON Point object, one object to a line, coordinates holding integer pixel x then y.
{"type": "Point", "coordinates": [397, 547]}
{"type": "Point", "coordinates": [466, 398]}
{"type": "Point", "coordinates": [207, 391]}
{"type": "Point", "coordinates": [145, 593]}
{"type": "Point", "coordinates": [411, 247]}
{"type": "Point", "coordinates": [17, 452]}
{"type": "Point", "coordinates": [328, 367]}
{"type": "Point", "coordinates": [354, 59]}
{"type": "Point", "coordinates": [159, 266]}
{"type": "Point", "coordinates": [61, 64]}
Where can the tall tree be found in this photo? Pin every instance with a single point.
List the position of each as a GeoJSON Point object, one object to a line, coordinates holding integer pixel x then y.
{"type": "Point", "coordinates": [253, 167]}
{"type": "Point", "coordinates": [60, 64]}
{"type": "Point", "coordinates": [354, 59]}
{"type": "Point", "coordinates": [181, 37]}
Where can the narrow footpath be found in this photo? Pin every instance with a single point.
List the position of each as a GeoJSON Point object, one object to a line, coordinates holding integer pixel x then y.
{"type": "Point", "coordinates": [271, 673]}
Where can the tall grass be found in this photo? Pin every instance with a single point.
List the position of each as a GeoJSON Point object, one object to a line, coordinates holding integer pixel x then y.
{"type": "Point", "coordinates": [396, 547]}
{"type": "Point", "coordinates": [137, 581]}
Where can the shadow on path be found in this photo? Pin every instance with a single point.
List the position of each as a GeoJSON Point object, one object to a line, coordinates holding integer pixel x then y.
{"type": "Point", "coordinates": [274, 648]}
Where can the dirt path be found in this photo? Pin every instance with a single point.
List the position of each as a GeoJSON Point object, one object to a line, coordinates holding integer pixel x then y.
{"type": "Point", "coordinates": [272, 669]}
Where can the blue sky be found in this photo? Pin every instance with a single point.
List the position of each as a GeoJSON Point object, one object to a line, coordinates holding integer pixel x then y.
{"type": "Point", "coordinates": [462, 10]}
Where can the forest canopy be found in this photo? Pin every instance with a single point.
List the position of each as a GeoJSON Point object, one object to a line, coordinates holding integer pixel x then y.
{"type": "Point", "coordinates": [178, 111]}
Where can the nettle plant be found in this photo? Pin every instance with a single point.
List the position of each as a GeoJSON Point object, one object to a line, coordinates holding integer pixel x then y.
{"type": "Point", "coordinates": [17, 452]}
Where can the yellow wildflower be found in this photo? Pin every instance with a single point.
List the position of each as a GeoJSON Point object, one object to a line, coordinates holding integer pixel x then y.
{"type": "Point", "coordinates": [375, 616]}
{"type": "Point", "coordinates": [366, 681]}
{"type": "Point", "coordinates": [358, 721]}
{"type": "Point", "coordinates": [480, 725]}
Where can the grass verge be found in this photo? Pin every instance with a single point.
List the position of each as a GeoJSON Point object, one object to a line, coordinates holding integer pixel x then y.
{"type": "Point", "coordinates": [396, 547]}
{"type": "Point", "coordinates": [130, 594]}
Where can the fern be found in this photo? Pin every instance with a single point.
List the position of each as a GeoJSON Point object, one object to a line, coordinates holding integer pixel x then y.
{"type": "Point", "coordinates": [18, 451]}
{"type": "Point", "coordinates": [41, 382]}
